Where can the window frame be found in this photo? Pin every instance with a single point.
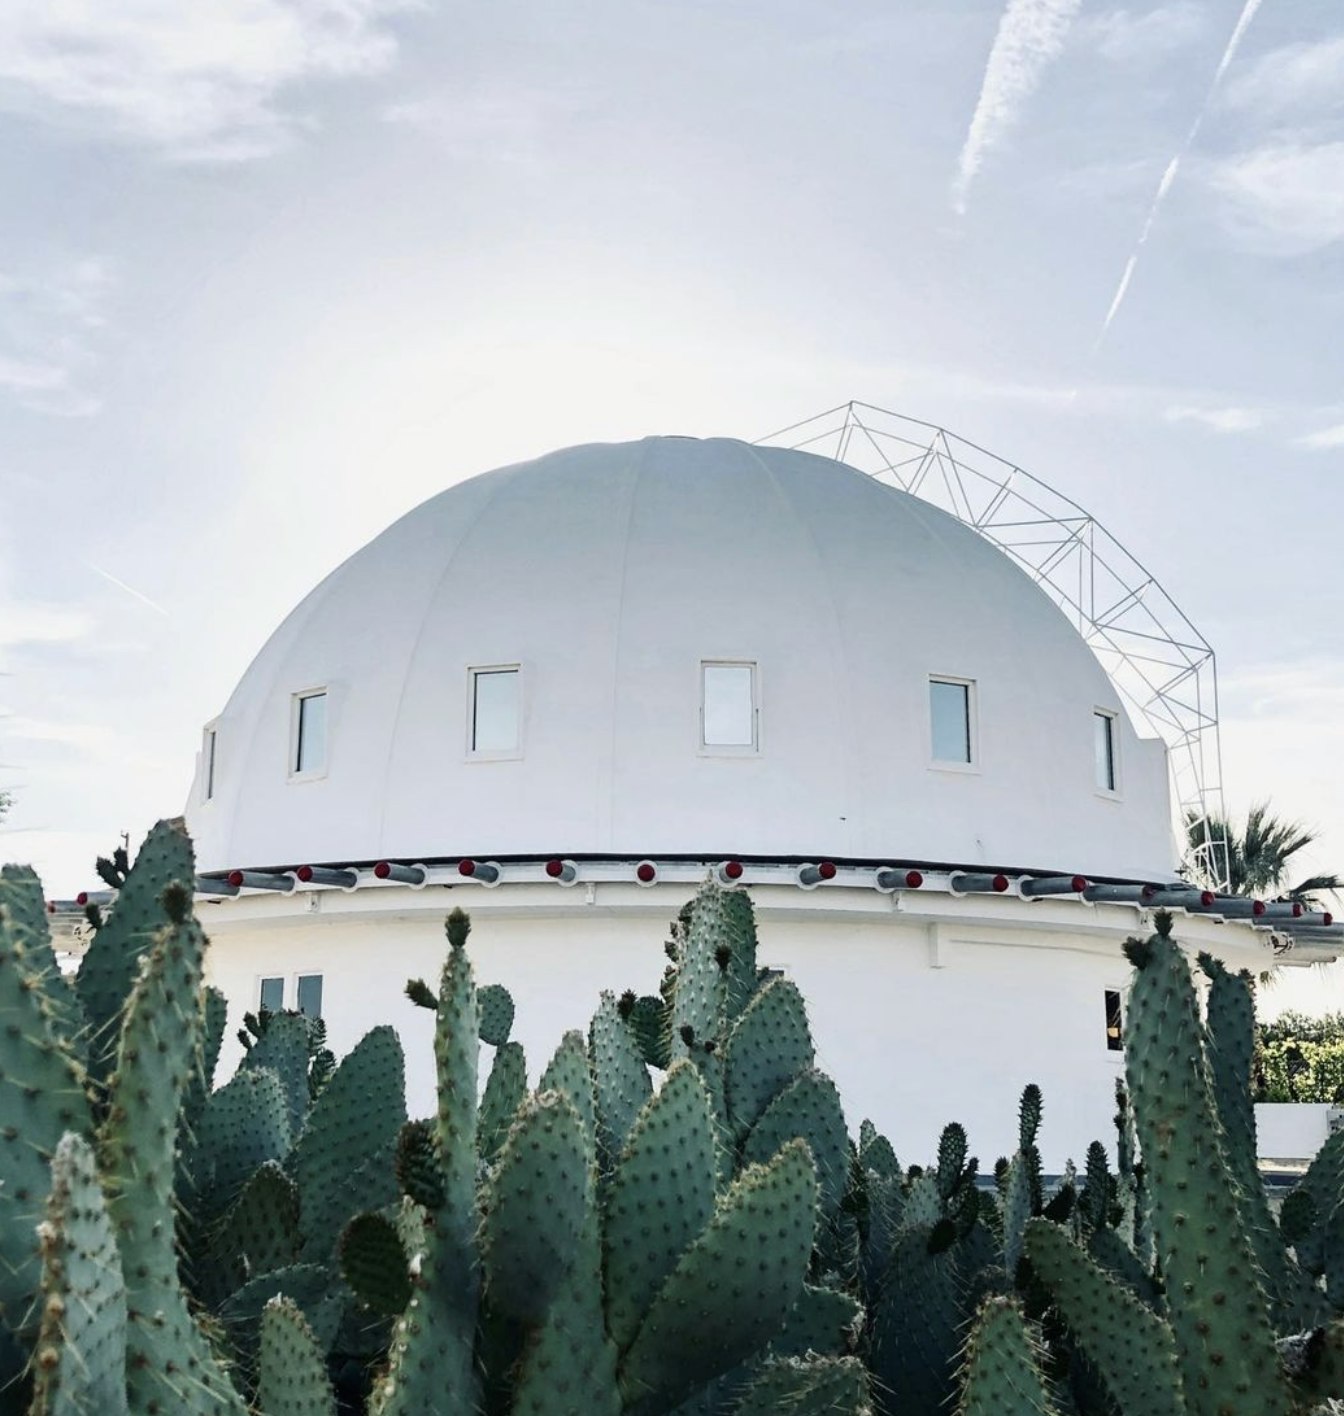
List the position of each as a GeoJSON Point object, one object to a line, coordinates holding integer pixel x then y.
{"type": "Point", "coordinates": [474, 672]}
{"type": "Point", "coordinates": [296, 702]}
{"type": "Point", "coordinates": [262, 980]}
{"type": "Point", "coordinates": [751, 749]}
{"type": "Point", "coordinates": [209, 761]}
{"type": "Point", "coordinates": [1111, 793]}
{"type": "Point", "coordinates": [1115, 1046]}
{"type": "Point", "coordinates": [939, 764]}
{"type": "Point", "coordinates": [321, 989]}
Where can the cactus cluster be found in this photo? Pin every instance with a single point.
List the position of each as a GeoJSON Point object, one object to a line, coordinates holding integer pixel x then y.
{"type": "Point", "coordinates": [674, 1222]}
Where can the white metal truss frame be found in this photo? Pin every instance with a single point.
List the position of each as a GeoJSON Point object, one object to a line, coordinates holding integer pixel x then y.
{"type": "Point", "coordinates": [1162, 666]}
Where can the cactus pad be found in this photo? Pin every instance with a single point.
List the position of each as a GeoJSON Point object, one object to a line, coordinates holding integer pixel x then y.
{"type": "Point", "coordinates": [621, 1082]}
{"type": "Point", "coordinates": [41, 1098]}
{"type": "Point", "coordinates": [1130, 1346]}
{"type": "Point", "coordinates": [355, 1120]}
{"type": "Point", "coordinates": [769, 1046]}
{"type": "Point", "coordinates": [374, 1263]}
{"type": "Point", "coordinates": [661, 1197]}
{"type": "Point", "coordinates": [283, 1047]}
{"type": "Point", "coordinates": [733, 1288]}
{"type": "Point", "coordinates": [245, 1124]}
{"type": "Point", "coordinates": [535, 1207]}
{"type": "Point", "coordinates": [169, 1365]}
{"type": "Point", "coordinates": [1002, 1376]}
{"type": "Point", "coordinates": [496, 1004]}
{"type": "Point", "coordinates": [1218, 1312]}
{"type": "Point", "coordinates": [108, 969]}
{"type": "Point", "coordinates": [80, 1363]}
{"type": "Point", "coordinates": [808, 1107]}
{"type": "Point", "coordinates": [820, 1386]}
{"type": "Point", "coordinates": [505, 1091]}
{"type": "Point", "coordinates": [568, 1072]}
{"type": "Point", "coordinates": [292, 1372]}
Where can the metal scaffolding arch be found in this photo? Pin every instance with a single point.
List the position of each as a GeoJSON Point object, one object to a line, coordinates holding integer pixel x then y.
{"type": "Point", "coordinates": [1162, 666]}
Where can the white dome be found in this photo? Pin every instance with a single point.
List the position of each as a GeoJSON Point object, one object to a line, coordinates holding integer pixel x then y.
{"type": "Point", "coordinates": [609, 574]}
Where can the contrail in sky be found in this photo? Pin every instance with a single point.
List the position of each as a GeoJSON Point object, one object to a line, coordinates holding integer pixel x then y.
{"type": "Point", "coordinates": [1030, 34]}
{"type": "Point", "coordinates": [1174, 166]}
{"type": "Point", "coordinates": [129, 589]}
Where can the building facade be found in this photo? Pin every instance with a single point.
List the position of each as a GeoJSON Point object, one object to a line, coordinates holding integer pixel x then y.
{"type": "Point", "coordinates": [562, 693]}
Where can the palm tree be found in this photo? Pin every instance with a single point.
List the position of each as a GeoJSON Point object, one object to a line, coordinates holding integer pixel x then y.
{"type": "Point", "coordinates": [1258, 855]}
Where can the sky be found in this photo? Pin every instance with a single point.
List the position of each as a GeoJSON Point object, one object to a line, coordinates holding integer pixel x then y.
{"type": "Point", "coordinates": [274, 271]}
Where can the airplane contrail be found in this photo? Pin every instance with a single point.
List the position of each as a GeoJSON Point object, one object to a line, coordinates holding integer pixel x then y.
{"type": "Point", "coordinates": [129, 589]}
{"type": "Point", "coordinates": [1174, 166]}
{"type": "Point", "coordinates": [1031, 33]}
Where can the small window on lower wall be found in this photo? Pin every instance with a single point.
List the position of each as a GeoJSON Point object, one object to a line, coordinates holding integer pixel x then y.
{"type": "Point", "coordinates": [271, 995]}
{"type": "Point", "coordinates": [1115, 1021]}
{"type": "Point", "coordinates": [310, 995]}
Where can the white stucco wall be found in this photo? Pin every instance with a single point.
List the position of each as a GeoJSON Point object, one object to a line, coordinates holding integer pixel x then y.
{"type": "Point", "coordinates": [609, 573]}
{"type": "Point", "coordinates": [920, 1020]}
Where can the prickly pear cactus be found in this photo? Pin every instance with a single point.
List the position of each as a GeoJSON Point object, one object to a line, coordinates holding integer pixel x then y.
{"type": "Point", "coordinates": [1219, 1314]}
{"type": "Point", "coordinates": [432, 1370]}
{"type": "Point", "coordinates": [170, 1366]}
{"type": "Point", "coordinates": [292, 1371]}
{"type": "Point", "coordinates": [80, 1359]}
{"type": "Point", "coordinates": [1003, 1375]}
{"type": "Point", "coordinates": [41, 1098]}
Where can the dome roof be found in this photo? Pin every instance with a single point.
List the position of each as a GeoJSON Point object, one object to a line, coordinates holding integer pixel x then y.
{"type": "Point", "coordinates": [600, 582]}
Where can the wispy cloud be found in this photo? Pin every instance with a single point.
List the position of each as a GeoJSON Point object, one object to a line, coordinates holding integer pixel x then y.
{"type": "Point", "coordinates": [87, 737]}
{"type": "Point", "coordinates": [1168, 178]}
{"type": "Point", "coordinates": [48, 323]}
{"type": "Point", "coordinates": [1324, 439]}
{"type": "Point", "coordinates": [1219, 420]}
{"type": "Point", "coordinates": [22, 623]}
{"type": "Point", "coordinates": [197, 81]}
{"type": "Point", "coordinates": [506, 122]}
{"type": "Point", "coordinates": [1031, 34]}
{"type": "Point", "coordinates": [1290, 79]}
{"type": "Point", "coordinates": [1284, 198]}
{"type": "Point", "coordinates": [1140, 36]}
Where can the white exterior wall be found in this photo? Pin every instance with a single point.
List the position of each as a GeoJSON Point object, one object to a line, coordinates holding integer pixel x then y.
{"type": "Point", "coordinates": [609, 573]}
{"type": "Point", "coordinates": [945, 1016]}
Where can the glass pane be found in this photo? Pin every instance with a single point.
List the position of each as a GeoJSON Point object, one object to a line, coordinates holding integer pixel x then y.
{"type": "Point", "coordinates": [950, 711]}
{"type": "Point", "coordinates": [272, 994]}
{"type": "Point", "coordinates": [310, 995]}
{"type": "Point", "coordinates": [1103, 734]}
{"type": "Point", "coordinates": [312, 748]}
{"type": "Point", "coordinates": [730, 716]}
{"type": "Point", "coordinates": [209, 763]}
{"type": "Point", "coordinates": [494, 723]}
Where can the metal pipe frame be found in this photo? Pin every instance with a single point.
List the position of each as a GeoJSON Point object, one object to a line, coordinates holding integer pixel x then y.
{"type": "Point", "coordinates": [1033, 887]}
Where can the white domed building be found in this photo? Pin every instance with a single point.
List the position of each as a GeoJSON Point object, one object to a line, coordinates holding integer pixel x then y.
{"type": "Point", "coordinates": [561, 693]}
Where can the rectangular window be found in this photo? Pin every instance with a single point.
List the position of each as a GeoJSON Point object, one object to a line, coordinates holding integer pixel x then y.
{"type": "Point", "coordinates": [728, 705]}
{"type": "Point", "coordinates": [310, 733]}
{"type": "Point", "coordinates": [496, 716]}
{"type": "Point", "coordinates": [208, 763]}
{"type": "Point", "coordinates": [950, 719]}
{"type": "Point", "coordinates": [1103, 741]}
{"type": "Point", "coordinates": [271, 995]}
{"type": "Point", "coordinates": [310, 995]}
{"type": "Point", "coordinates": [1115, 1023]}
